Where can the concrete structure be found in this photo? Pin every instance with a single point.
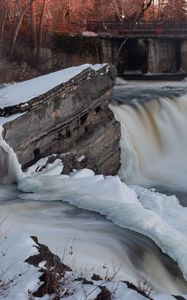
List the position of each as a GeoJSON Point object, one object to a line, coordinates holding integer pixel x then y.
{"type": "Point", "coordinates": [154, 55]}
{"type": "Point", "coordinates": [153, 47]}
{"type": "Point", "coordinates": [183, 52]}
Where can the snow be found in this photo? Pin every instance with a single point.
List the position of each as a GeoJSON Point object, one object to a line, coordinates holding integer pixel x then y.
{"type": "Point", "coordinates": [119, 291]}
{"type": "Point", "coordinates": [97, 67]}
{"type": "Point", "coordinates": [22, 278]}
{"type": "Point", "coordinates": [163, 297]}
{"type": "Point", "coordinates": [21, 92]}
{"type": "Point", "coordinates": [82, 173]}
{"type": "Point", "coordinates": [17, 276]}
{"type": "Point", "coordinates": [4, 120]}
{"type": "Point", "coordinates": [24, 91]}
{"type": "Point", "coordinates": [81, 158]}
{"type": "Point", "coordinates": [45, 168]}
{"type": "Point", "coordinates": [152, 214]}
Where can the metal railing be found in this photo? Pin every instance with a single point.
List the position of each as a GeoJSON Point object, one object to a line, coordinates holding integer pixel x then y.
{"type": "Point", "coordinates": [141, 27]}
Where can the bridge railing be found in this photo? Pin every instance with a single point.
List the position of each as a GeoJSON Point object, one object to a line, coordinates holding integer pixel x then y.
{"type": "Point", "coordinates": [156, 27]}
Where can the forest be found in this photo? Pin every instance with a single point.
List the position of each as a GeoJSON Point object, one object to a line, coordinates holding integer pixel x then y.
{"type": "Point", "coordinates": [35, 21]}
{"type": "Point", "coordinates": [59, 15]}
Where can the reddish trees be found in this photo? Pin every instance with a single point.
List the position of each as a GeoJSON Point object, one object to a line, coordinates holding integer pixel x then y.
{"type": "Point", "coordinates": [126, 9]}
{"type": "Point", "coordinates": [35, 16]}
{"type": "Point", "coordinates": [175, 10]}
{"type": "Point", "coordinates": [58, 14]}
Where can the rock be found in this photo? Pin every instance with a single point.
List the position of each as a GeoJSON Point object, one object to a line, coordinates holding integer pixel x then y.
{"type": "Point", "coordinates": [44, 254]}
{"type": "Point", "coordinates": [96, 277]}
{"type": "Point", "coordinates": [73, 117]}
{"type": "Point", "coordinates": [105, 294]}
{"type": "Point", "coordinates": [52, 272]}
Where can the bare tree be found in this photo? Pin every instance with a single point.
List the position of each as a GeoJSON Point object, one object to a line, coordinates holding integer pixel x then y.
{"type": "Point", "coordinates": [40, 29]}
{"type": "Point", "coordinates": [80, 10]}
{"type": "Point", "coordinates": [3, 16]}
{"type": "Point", "coordinates": [126, 9]}
{"type": "Point", "coordinates": [22, 11]}
{"type": "Point", "coordinates": [3, 19]}
{"type": "Point", "coordinates": [144, 6]}
{"type": "Point", "coordinates": [32, 24]}
{"type": "Point", "coordinates": [175, 10]}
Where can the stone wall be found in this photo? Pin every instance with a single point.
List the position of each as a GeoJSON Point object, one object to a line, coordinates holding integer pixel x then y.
{"type": "Point", "coordinates": [51, 60]}
{"type": "Point", "coordinates": [73, 117]}
{"type": "Point", "coordinates": [184, 56]}
{"type": "Point", "coordinates": [163, 56]}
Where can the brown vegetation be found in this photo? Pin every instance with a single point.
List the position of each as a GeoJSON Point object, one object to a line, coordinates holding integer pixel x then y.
{"type": "Point", "coordinates": [38, 17]}
{"type": "Point", "coordinates": [28, 26]}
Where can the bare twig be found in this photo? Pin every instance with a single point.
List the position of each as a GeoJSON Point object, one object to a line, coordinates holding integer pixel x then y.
{"type": "Point", "coordinates": [145, 5]}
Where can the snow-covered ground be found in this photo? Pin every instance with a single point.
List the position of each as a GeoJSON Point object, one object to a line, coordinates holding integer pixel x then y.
{"type": "Point", "coordinates": [17, 277]}
{"type": "Point", "coordinates": [20, 279]}
{"type": "Point", "coordinates": [163, 220]}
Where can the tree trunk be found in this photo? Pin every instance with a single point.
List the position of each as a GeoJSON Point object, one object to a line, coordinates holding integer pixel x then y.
{"type": "Point", "coordinates": [145, 6]}
{"type": "Point", "coordinates": [2, 24]}
{"type": "Point", "coordinates": [40, 33]}
{"type": "Point", "coordinates": [17, 29]}
{"type": "Point", "coordinates": [3, 16]}
{"type": "Point", "coordinates": [32, 24]}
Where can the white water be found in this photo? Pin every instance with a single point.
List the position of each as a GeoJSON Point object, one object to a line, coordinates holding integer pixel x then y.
{"type": "Point", "coordinates": [153, 139]}
{"type": "Point", "coordinates": [158, 135]}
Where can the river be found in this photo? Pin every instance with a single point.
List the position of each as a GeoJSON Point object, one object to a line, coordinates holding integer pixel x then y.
{"type": "Point", "coordinates": [154, 145]}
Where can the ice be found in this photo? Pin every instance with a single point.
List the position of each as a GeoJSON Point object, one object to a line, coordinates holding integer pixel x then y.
{"type": "Point", "coordinates": [10, 170]}
{"type": "Point", "coordinates": [82, 173]}
{"type": "Point", "coordinates": [124, 206]}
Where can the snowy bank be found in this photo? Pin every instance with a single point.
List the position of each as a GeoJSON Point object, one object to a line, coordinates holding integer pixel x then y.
{"type": "Point", "coordinates": [141, 210]}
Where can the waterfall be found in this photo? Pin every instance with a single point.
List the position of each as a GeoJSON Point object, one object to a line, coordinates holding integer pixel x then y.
{"type": "Point", "coordinates": [155, 136]}
{"type": "Point", "coordinates": [10, 170]}
{"type": "Point", "coordinates": [153, 150]}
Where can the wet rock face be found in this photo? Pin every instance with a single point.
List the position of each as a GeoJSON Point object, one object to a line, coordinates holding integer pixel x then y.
{"type": "Point", "coordinates": [73, 117]}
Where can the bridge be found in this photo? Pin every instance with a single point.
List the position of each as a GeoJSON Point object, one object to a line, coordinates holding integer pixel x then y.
{"type": "Point", "coordinates": [154, 47]}
{"type": "Point", "coordinates": [143, 29]}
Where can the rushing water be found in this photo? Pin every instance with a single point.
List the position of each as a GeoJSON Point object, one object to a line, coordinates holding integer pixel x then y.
{"type": "Point", "coordinates": [98, 245]}
{"type": "Point", "coordinates": [153, 144]}
{"type": "Point", "coordinates": [154, 118]}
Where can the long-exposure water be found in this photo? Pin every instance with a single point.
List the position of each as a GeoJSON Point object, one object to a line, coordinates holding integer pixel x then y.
{"type": "Point", "coordinates": [154, 144]}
